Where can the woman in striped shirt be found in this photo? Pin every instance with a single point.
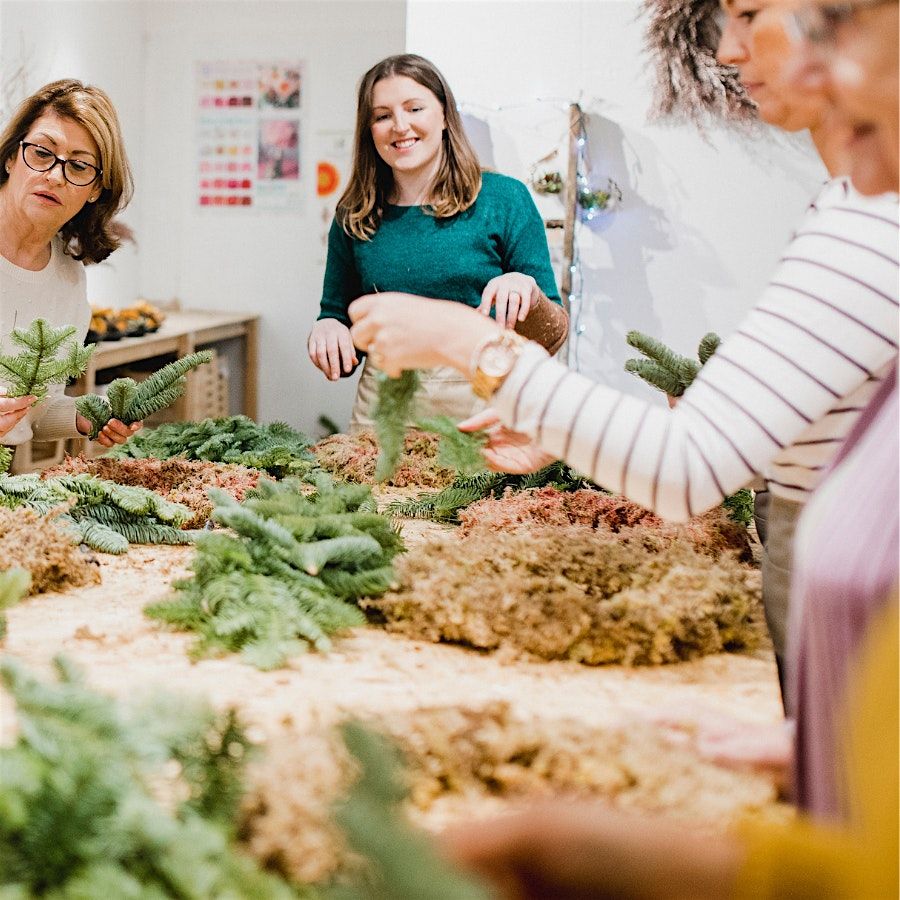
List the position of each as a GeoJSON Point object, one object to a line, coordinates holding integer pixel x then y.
{"type": "Point", "coordinates": [776, 400]}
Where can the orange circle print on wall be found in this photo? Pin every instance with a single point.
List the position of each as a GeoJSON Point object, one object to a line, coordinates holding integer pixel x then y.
{"type": "Point", "coordinates": [329, 179]}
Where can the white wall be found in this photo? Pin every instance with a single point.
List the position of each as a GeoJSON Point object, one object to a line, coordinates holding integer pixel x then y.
{"type": "Point", "coordinates": [703, 219]}
{"type": "Point", "coordinates": [98, 43]}
{"type": "Point", "coordinates": [265, 262]}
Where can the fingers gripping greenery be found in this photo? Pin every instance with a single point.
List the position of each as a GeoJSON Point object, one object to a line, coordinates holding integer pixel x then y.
{"type": "Point", "coordinates": [288, 574]}
{"type": "Point", "coordinates": [665, 369]}
{"type": "Point", "coordinates": [79, 810]}
{"type": "Point", "coordinates": [104, 515]}
{"type": "Point", "coordinates": [49, 356]}
{"type": "Point", "coordinates": [401, 861]}
{"type": "Point", "coordinates": [130, 401]}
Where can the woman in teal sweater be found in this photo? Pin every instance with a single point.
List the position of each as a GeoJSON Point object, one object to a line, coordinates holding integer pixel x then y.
{"type": "Point", "coordinates": [420, 217]}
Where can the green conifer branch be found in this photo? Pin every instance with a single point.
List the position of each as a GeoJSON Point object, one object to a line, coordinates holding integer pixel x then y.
{"type": "Point", "coordinates": [401, 861]}
{"type": "Point", "coordinates": [457, 450]}
{"type": "Point", "coordinates": [39, 364]}
{"type": "Point", "coordinates": [80, 815]}
{"type": "Point", "coordinates": [665, 369]}
{"type": "Point", "coordinates": [392, 412]}
{"type": "Point", "coordinates": [288, 574]}
{"type": "Point", "coordinates": [131, 401]}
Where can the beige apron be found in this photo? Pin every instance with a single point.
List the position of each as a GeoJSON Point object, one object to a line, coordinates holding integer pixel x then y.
{"type": "Point", "coordinates": [442, 392]}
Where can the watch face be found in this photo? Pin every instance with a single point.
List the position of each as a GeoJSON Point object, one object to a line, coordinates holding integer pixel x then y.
{"type": "Point", "coordinates": [496, 360]}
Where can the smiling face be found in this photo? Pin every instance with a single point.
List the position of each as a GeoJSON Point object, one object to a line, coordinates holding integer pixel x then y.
{"type": "Point", "coordinates": [45, 199]}
{"type": "Point", "coordinates": [407, 126]}
{"type": "Point", "coordinates": [754, 40]}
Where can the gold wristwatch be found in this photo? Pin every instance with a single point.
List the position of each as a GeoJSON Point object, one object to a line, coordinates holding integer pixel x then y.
{"type": "Point", "coordinates": [493, 360]}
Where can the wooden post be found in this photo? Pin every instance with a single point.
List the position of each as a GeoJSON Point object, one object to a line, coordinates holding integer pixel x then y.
{"type": "Point", "coordinates": [571, 202]}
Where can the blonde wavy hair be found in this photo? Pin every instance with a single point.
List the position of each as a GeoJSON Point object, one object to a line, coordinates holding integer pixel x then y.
{"type": "Point", "coordinates": [93, 233]}
{"type": "Point", "coordinates": [458, 179]}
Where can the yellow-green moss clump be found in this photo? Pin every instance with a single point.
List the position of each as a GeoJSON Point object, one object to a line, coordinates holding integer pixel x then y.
{"type": "Point", "coordinates": [468, 762]}
{"type": "Point", "coordinates": [570, 592]}
{"type": "Point", "coordinates": [44, 548]}
{"type": "Point", "coordinates": [353, 458]}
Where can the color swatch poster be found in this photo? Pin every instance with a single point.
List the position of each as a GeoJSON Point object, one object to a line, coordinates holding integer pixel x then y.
{"type": "Point", "coordinates": [248, 134]}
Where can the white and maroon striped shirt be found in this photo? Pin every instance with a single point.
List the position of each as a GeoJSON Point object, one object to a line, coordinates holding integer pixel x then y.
{"type": "Point", "coordinates": [777, 399]}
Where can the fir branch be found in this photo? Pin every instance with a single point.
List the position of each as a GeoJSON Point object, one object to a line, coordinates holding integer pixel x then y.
{"type": "Point", "coordinates": [276, 448]}
{"type": "Point", "coordinates": [6, 458]}
{"type": "Point", "coordinates": [14, 585]}
{"type": "Point", "coordinates": [401, 861]}
{"type": "Point", "coordinates": [39, 364]}
{"type": "Point", "coordinates": [130, 401]}
{"type": "Point", "coordinates": [458, 450]}
{"type": "Point", "coordinates": [80, 817]}
{"type": "Point", "coordinates": [391, 415]}
{"type": "Point", "coordinates": [288, 574]}
{"type": "Point", "coordinates": [665, 369]}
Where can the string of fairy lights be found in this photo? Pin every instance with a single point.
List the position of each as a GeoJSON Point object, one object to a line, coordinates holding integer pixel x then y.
{"type": "Point", "coordinates": [590, 201]}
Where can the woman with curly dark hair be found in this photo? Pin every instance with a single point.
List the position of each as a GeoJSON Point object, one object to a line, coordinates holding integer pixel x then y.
{"type": "Point", "coordinates": [63, 179]}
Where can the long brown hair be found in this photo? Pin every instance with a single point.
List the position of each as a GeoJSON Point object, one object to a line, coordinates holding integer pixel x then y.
{"type": "Point", "coordinates": [92, 234]}
{"type": "Point", "coordinates": [458, 179]}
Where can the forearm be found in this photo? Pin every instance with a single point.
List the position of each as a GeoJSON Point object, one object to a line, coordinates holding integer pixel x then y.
{"type": "Point", "coordinates": [54, 419]}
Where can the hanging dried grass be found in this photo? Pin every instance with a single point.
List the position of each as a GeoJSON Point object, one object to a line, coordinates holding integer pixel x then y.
{"type": "Point", "coordinates": [681, 38]}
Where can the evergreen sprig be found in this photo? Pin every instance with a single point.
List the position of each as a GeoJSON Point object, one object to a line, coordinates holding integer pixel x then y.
{"type": "Point", "coordinates": [79, 814]}
{"type": "Point", "coordinates": [276, 448]}
{"type": "Point", "coordinates": [401, 862]}
{"type": "Point", "coordinates": [49, 356]}
{"type": "Point", "coordinates": [288, 574]}
{"type": "Point", "coordinates": [457, 450]}
{"type": "Point", "coordinates": [130, 401]}
{"type": "Point", "coordinates": [391, 415]}
{"type": "Point", "coordinates": [102, 514]}
{"type": "Point", "coordinates": [665, 369]}
{"type": "Point", "coordinates": [14, 585]}
{"type": "Point", "coordinates": [443, 506]}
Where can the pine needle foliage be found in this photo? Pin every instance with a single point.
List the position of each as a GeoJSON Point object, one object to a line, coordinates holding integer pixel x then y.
{"type": "Point", "coordinates": [275, 448]}
{"type": "Point", "coordinates": [391, 415]}
{"type": "Point", "coordinates": [458, 450]}
{"type": "Point", "coordinates": [14, 585]}
{"type": "Point", "coordinates": [6, 458]}
{"type": "Point", "coordinates": [665, 369]}
{"type": "Point", "coordinates": [402, 863]}
{"type": "Point", "coordinates": [130, 401]}
{"type": "Point", "coordinates": [49, 356]}
{"type": "Point", "coordinates": [80, 808]}
{"type": "Point", "coordinates": [289, 573]}
{"type": "Point", "coordinates": [104, 515]}
{"type": "Point", "coordinates": [443, 506]}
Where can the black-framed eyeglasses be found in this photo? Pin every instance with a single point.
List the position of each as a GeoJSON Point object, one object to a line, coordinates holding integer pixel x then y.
{"type": "Point", "coordinates": [75, 171]}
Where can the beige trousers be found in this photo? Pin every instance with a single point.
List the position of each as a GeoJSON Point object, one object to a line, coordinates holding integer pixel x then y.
{"type": "Point", "coordinates": [442, 392]}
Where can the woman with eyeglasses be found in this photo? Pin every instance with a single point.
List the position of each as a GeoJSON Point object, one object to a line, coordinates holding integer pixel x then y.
{"type": "Point", "coordinates": [63, 179]}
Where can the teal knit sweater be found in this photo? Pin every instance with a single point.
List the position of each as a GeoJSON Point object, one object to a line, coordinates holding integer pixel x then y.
{"type": "Point", "coordinates": [448, 259]}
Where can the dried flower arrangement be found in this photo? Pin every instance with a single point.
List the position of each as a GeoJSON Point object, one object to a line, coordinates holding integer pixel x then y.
{"type": "Point", "coordinates": [45, 549]}
{"type": "Point", "coordinates": [570, 592]}
{"type": "Point", "coordinates": [288, 574]}
{"type": "Point", "coordinates": [276, 448]}
{"type": "Point", "coordinates": [103, 515]}
{"type": "Point", "coordinates": [487, 756]}
{"type": "Point", "coordinates": [130, 401]}
{"type": "Point", "coordinates": [353, 458]}
{"type": "Point", "coordinates": [711, 533]}
{"type": "Point", "coordinates": [181, 481]}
